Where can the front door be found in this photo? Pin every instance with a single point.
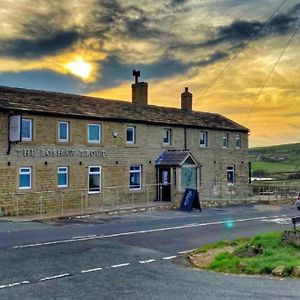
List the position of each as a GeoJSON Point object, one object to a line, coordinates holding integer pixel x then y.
{"type": "Point", "coordinates": [164, 189]}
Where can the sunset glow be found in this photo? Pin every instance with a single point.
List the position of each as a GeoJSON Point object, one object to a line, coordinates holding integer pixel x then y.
{"type": "Point", "coordinates": [238, 58]}
{"type": "Point", "coordinates": [79, 68]}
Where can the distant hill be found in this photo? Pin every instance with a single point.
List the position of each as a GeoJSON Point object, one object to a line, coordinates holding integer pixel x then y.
{"type": "Point", "coordinates": [274, 160]}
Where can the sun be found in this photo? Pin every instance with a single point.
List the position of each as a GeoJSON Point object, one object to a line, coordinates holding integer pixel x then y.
{"type": "Point", "coordinates": [80, 68]}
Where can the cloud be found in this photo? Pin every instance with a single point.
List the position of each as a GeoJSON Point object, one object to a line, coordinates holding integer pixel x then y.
{"type": "Point", "coordinates": [24, 48]}
{"type": "Point", "coordinates": [43, 80]}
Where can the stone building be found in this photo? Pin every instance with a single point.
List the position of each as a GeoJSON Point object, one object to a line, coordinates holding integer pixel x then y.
{"type": "Point", "coordinates": [85, 150]}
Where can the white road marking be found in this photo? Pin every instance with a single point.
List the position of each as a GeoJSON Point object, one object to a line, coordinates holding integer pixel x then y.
{"type": "Point", "coordinates": [186, 251]}
{"type": "Point", "coordinates": [120, 265]}
{"type": "Point", "coordinates": [283, 221]}
{"type": "Point", "coordinates": [143, 232]}
{"type": "Point", "coordinates": [13, 284]}
{"type": "Point", "coordinates": [82, 237]}
{"type": "Point", "coordinates": [55, 277]}
{"type": "Point", "coordinates": [91, 270]}
{"type": "Point", "coordinates": [169, 257]}
{"type": "Point", "coordinates": [147, 261]}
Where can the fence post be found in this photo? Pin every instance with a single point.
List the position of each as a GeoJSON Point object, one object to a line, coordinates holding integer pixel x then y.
{"type": "Point", "coordinates": [62, 204]}
{"type": "Point", "coordinates": [160, 192]}
{"type": "Point", "coordinates": [147, 196]}
{"type": "Point", "coordinates": [132, 199]}
{"type": "Point", "coordinates": [41, 205]}
{"type": "Point", "coordinates": [117, 196]}
{"type": "Point", "coordinates": [81, 201]}
{"type": "Point", "coordinates": [17, 205]}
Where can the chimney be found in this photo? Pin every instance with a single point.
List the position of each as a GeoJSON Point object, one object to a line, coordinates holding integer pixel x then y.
{"type": "Point", "coordinates": [186, 100]}
{"type": "Point", "coordinates": [139, 90]}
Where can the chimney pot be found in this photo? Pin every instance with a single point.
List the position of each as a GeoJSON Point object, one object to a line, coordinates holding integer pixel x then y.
{"type": "Point", "coordinates": [139, 90]}
{"type": "Point", "coordinates": [186, 100]}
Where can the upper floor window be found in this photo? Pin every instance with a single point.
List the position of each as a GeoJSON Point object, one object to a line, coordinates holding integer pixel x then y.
{"type": "Point", "coordinates": [238, 141]}
{"type": "Point", "coordinates": [63, 131]}
{"type": "Point", "coordinates": [225, 140]}
{"type": "Point", "coordinates": [203, 139]}
{"type": "Point", "coordinates": [135, 178]}
{"type": "Point", "coordinates": [26, 130]}
{"type": "Point", "coordinates": [131, 135]}
{"type": "Point", "coordinates": [231, 174]}
{"type": "Point", "coordinates": [25, 178]}
{"type": "Point", "coordinates": [167, 136]}
{"type": "Point", "coordinates": [62, 176]}
{"type": "Point", "coordinates": [94, 133]}
{"type": "Point", "coordinates": [94, 179]}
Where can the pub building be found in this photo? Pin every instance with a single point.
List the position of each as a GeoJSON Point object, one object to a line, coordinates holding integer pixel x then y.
{"type": "Point", "coordinates": [94, 151]}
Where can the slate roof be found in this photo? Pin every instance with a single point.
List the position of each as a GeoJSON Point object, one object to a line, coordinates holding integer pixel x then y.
{"type": "Point", "coordinates": [174, 158]}
{"type": "Point", "coordinates": [60, 104]}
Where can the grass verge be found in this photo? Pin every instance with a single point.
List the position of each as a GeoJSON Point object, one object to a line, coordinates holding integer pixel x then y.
{"type": "Point", "coordinates": [258, 255]}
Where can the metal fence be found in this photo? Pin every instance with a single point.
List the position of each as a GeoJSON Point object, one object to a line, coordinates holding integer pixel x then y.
{"type": "Point", "coordinates": [69, 201]}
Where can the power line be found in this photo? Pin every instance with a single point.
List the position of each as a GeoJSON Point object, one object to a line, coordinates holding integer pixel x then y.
{"type": "Point", "coordinates": [270, 74]}
{"type": "Point", "coordinates": [241, 49]}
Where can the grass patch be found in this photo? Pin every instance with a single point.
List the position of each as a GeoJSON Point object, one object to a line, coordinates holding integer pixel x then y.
{"type": "Point", "coordinates": [257, 255]}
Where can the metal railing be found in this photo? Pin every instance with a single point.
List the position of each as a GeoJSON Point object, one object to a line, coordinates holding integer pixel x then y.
{"type": "Point", "coordinates": [62, 202]}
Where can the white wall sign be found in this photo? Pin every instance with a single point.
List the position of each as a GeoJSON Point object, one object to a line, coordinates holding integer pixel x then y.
{"type": "Point", "coordinates": [15, 128]}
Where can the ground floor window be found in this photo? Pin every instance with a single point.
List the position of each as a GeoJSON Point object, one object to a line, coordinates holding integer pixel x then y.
{"type": "Point", "coordinates": [135, 178]}
{"type": "Point", "coordinates": [231, 174]}
{"type": "Point", "coordinates": [94, 179]}
{"type": "Point", "coordinates": [62, 176]}
{"type": "Point", "coordinates": [25, 178]}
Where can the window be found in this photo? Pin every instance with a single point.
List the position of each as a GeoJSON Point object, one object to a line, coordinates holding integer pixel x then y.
{"type": "Point", "coordinates": [225, 140]}
{"type": "Point", "coordinates": [135, 182]}
{"type": "Point", "coordinates": [63, 131]}
{"type": "Point", "coordinates": [231, 174]}
{"type": "Point", "coordinates": [26, 130]}
{"type": "Point", "coordinates": [203, 139]}
{"type": "Point", "coordinates": [62, 176]}
{"type": "Point", "coordinates": [94, 133]}
{"type": "Point", "coordinates": [130, 135]}
{"type": "Point", "coordinates": [167, 136]}
{"type": "Point", "coordinates": [238, 141]}
{"type": "Point", "coordinates": [25, 178]}
{"type": "Point", "coordinates": [94, 179]}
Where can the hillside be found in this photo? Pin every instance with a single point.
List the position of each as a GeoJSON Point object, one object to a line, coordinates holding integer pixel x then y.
{"type": "Point", "coordinates": [268, 161]}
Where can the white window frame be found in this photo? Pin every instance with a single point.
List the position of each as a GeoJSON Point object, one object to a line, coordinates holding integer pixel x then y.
{"type": "Point", "coordinates": [66, 172]}
{"type": "Point", "coordinates": [88, 133]}
{"type": "Point", "coordinates": [168, 135]}
{"type": "Point", "coordinates": [231, 169]}
{"type": "Point", "coordinates": [29, 172]}
{"type": "Point", "coordinates": [238, 141]}
{"type": "Point", "coordinates": [135, 171]}
{"type": "Point", "coordinates": [26, 139]}
{"type": "Point", "coordinates": [94, 173]}
{"type": "Point", "coordinates": [133, 141]}
{"type": "Point", "coordinates": [59, 131]}
{"type": "Point", "coordinates": [203, 134]}
{"type": "Point", "coordinates": [225, 139]}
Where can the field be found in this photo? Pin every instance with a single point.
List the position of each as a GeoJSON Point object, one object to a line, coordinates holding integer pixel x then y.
{"type": "Point", "coordinates": [280, 161]}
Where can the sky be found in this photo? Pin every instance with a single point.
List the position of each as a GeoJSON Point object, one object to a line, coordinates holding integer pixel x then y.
{"type": "Point", "coordinates": [239, 58]}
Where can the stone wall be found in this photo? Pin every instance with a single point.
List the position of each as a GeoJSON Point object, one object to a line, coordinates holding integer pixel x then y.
{"type": "Point", "coordinates": [45, 153]}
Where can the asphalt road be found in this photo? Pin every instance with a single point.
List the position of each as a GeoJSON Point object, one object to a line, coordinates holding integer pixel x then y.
{"type": "Point", "coordinates": [137, 256]}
